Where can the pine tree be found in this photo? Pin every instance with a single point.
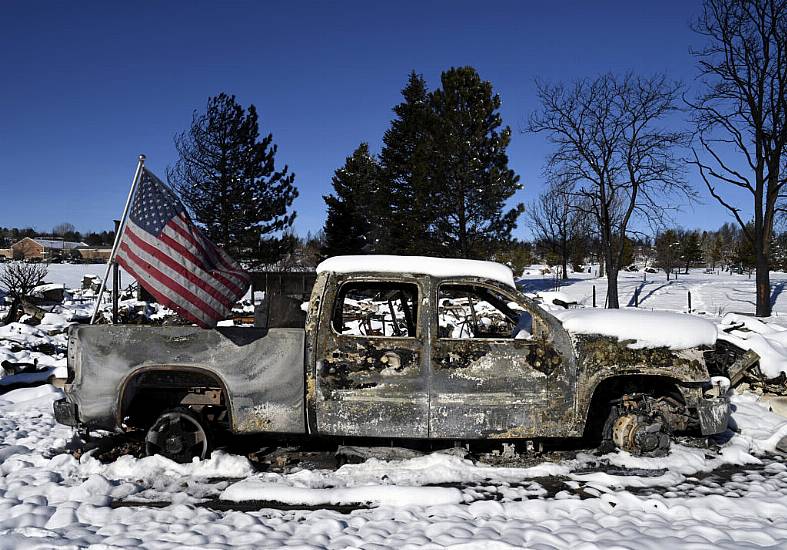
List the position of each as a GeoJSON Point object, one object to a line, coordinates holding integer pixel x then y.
{"type": "Point", "coordinates": [667, 250]}
{"type": "Point", "coordinates": [350, 223]}
{"type": "Point", "coordinates": [472, 179]}
{"type": "Point", "coordinates": [406, 175]}
{"type": "Point", "coordinates": [226, 176]}
{"type": "Point", "coordinates": [690, 248]}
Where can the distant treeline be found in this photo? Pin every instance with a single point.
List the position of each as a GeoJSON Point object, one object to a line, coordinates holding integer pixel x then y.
{"type": "Point", "coordinates": [64, 231]}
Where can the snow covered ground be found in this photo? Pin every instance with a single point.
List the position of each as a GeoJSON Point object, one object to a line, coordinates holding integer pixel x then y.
{"type": "Point", "coordinates": [730, 496]}
{"type": "Point", "coordinates": [51, 499]}
{"type": "Point", "coordinates": [713, 295]}
{"type": "Point", "coordinates": [71, 274]}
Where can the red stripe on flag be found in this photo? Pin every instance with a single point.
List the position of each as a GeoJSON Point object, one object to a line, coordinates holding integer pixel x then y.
{"type": "Point", "coordinates": [178, 289]}
{"type": "Point", "coordinates": [188, 231]}
{"type": "Point", "coordinates": [200, 252]}
{"type": "Point", "coordinates": [140, 276]}
{"type": "Point", "coordinates": [231, 286]}
{"type": "Point", "coordinates": [179, 268]}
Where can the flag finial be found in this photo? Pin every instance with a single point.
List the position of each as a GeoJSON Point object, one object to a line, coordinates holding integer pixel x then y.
{"type": "Point", "coordinates": [141, 158]}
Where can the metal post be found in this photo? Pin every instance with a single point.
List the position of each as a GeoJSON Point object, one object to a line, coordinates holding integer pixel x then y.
{"type": "Point", "coordinates": [115, 282]}
{"type": "Point", "coordinates": [134, 182]}
{"type": "Point", "coordinates": [636, 297]}
{"type": "Point", "coordinates": [594, 295]}
{"type": "Point", "coordinates": [689, 301]}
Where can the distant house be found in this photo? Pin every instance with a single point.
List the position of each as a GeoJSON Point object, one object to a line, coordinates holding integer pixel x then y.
{"type": "Point", "coordinates": [41, 249]}
{"type": "Point", "coordinates": [44, 250]}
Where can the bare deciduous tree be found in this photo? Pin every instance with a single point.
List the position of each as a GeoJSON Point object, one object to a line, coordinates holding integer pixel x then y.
{"type": "Point", "coordinates": [556, 221]}
{"type": "Point", "coordinates": [19, 279]}
{"type": "Point", "coordinates": [62, 228]}
{"type": "Point", "coordinates": [740, 117]}
{"type": "Point", "coordinates": [610, 146]}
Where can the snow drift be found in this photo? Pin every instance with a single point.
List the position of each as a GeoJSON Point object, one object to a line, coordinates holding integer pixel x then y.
{"type": "Point", "coordinates": [769, 341]}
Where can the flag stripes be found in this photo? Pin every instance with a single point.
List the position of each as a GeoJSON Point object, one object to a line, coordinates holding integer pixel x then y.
{"type": "Point", "coordinates": [174, 261]}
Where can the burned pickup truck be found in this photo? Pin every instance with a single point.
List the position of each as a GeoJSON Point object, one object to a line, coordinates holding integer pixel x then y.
{"type": "Point", "coordinates": [394, 348]}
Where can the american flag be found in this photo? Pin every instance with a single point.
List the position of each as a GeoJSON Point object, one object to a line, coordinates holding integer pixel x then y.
{"type": "Point", "coordinates": [169, 256]}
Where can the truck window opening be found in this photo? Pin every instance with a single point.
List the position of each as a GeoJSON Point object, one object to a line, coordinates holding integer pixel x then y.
{"type": "Point", "coordinates": [377, 309]}
{"type": "Point", "coordinates": [466, 312]}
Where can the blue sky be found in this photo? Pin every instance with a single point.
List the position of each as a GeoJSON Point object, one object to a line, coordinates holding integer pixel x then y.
{"type": "Point", "coordinates": [88, 85]}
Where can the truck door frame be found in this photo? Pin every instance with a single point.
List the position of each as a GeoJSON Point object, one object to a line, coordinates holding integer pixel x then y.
{"type": "Point", "coordinates": [492, 389]}
{"type": "Point", "coordinates": [390, 404]}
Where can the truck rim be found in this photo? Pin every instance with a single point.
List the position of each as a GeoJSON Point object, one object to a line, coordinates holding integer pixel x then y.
{"type": "Point", "coordinates": [177, 435]}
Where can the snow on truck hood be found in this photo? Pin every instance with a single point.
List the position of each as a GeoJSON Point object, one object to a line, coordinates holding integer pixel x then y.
{"type": "Point", "coordinates": [436, 267]}
{"type": "Point", "coordinates": [649, 329]}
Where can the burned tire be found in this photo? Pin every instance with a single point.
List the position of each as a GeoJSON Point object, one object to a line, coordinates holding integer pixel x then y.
{"type": "Point", "coordinates": [633, 430]}
{"type": "Point", "coordinates": [637, 434]}
{"type": "Point", "coordinates": [179, 435]}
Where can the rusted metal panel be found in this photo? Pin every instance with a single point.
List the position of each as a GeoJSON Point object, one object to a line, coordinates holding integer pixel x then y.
{"type": "Point", "coordinates": [714, 414]}
{"type": "Point", "coordinates": [502, 387]}
{"type": "Point", "coordinates": [261, 370]}
{"type": "Point", "coordinates": [373, 386]}
{"type": "Point", "coordinates": [601, 357]}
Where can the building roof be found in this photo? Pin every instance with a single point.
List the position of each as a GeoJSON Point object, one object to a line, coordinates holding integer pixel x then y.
{"type": "Point", "coordinates": [57, 244]}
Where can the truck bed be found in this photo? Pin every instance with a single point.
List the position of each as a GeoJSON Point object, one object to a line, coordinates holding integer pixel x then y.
{"type": "Point", "coordinates": [261, 370]}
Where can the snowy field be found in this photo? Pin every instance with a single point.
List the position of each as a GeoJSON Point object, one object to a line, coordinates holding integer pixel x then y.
{"type": "Point", "coordinates": [730, 495]}
{"type": "Point", "coordinates": [71, 274]}
{"type": "Point", "coordinates": [50, 499]}
{"type": "Point", "coordinates": [713, 295]}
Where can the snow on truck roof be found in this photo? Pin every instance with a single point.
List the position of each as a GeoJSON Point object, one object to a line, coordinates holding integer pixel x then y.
{"type": "Point", "coordinates": [436, 267]}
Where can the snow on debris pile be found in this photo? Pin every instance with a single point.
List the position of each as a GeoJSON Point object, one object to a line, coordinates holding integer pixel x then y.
{"type": "Point", "coordinates": [436, 267]}
{"type": "Point", "coordinates": [647, 329]}
{"type": "Point", "coordinates": [767, 340]}
{"type": "Point", "coordinates": [24, 335]}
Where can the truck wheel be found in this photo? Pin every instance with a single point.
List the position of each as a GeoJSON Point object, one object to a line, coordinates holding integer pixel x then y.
{"type": "Point", "coordinates": [178, 435]}
{"type": "Point", "coordinates": [635, 432]}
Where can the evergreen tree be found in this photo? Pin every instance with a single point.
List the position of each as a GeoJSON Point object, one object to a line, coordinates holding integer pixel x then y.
{"type": "Point", "coordinates": [472, 180]}
{"type": "Point", "coordinates": [226, 176]}
{"type": "Point", "coordinates": [350, 223]}
{"type": "Point", "coordinates": [406, 175]}
{"type": "Point", "coordinates": [690, 248]}
{"type": "Point", "coordinates": [667, 250]}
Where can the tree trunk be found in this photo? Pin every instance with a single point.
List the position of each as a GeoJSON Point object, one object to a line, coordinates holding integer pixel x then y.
{"type": "Point", "coordinates": [612, 288]}
{"type": "Point", "coordinates": [12, 313]}
{"type": "Point", "coordinates": [763, 283]}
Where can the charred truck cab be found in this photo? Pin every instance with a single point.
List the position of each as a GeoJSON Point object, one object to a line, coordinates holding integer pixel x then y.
{"type": "Point", "coordinates": [391, 347]}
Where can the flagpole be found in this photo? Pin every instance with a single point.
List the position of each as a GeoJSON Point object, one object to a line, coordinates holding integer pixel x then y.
{"type": "Point", "coordinates": [118, 233]}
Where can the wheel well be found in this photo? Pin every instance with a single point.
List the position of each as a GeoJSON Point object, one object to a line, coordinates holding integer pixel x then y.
{"type": "Point", "coordinates": [148, 392]}
{"type": "Point", "coordinates": [617, 386]}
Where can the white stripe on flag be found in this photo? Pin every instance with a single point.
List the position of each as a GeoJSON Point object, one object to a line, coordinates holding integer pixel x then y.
{"type": "Point", "coordinates": [192, 287]}
{"type": "Point", "coordinates": [235, 278]}
{"type": "Point", "coordinates": [167, 250]}
{"type": "Point", "coordinates": [141, 273]}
